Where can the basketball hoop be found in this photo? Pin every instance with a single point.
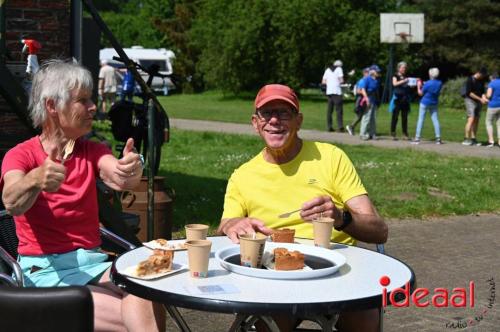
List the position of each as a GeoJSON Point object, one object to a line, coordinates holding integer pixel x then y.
{"type": "Point", "coordinates": [405, 37]}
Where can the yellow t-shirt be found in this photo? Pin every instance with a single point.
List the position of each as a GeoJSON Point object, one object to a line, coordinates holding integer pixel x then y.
{"type": "Point", "coordinates": [261, 190]}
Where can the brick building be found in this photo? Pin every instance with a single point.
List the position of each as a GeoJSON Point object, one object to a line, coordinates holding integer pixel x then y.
{"type": "Point", "coordinates": [57, 25]}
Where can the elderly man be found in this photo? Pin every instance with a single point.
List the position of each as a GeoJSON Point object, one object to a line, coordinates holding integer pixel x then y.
{"type": "Point", "coordinates": [49, 186]}
{"type": "Point", "coordinates": [333, 77]}
{"type": "Point", "coordinates": [291, 173]}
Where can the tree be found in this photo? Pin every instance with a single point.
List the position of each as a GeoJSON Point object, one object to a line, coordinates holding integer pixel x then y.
{"type": "Point", "coordinates": [245, 44]}
{"type": "Point", "coordinates": [462, 36]}
{"type": "Point", "coordinates": [177, 28]}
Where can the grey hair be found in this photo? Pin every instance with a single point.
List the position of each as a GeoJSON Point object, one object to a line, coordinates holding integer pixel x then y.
{"type": "Point", "coordinates": [55, 80]}
{"type": "Point", "coordinates": [433, 73]}
{"type": "Point", "coordinates": [401, 64]}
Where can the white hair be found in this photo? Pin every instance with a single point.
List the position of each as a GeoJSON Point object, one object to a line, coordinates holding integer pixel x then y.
{"type": "Point", "coordinates": [55, 80]}
{"type": "Point", "coordinates": [337, 63]}
{"type": "Point", "coordinates": [433, 73]}
{"type": "Point", "coordinates": [402, 64]}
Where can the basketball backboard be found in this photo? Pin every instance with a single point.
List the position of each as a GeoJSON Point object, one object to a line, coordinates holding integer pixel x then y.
{"type": "Point", "coordinates": [401, 28]}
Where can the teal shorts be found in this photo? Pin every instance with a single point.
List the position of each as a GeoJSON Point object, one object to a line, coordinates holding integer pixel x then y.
{"type": "Point", "coordinates": [74, 268]}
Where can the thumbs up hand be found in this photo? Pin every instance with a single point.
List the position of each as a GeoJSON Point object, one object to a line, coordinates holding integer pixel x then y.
{"type": "Point", "coordinates": [130, 165]}
{"type": "Point", "coordinates": [52, 172]}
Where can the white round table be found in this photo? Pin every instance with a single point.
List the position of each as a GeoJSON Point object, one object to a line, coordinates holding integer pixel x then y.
{"type": "Point", "coordinates": [356, 286]}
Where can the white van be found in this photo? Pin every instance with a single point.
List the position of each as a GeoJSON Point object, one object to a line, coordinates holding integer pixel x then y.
{"type": "Point", "coordinates": [146, 57]}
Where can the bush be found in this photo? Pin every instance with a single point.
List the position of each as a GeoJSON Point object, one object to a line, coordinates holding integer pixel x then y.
{"type": "Point", "coordinates": [450, 94]}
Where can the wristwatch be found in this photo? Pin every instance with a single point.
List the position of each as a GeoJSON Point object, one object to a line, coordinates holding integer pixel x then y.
{"type": "Point", "coordinates": [346, 220]}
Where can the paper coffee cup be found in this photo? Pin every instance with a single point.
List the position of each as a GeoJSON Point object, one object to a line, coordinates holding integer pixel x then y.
{"type": "Point", "coordinates": [251, 249]}
{"type": "Point", "coordinates": [196, 232]}
{"type": "Point", "coordinates": [198, 256]}
{"type": "Point", "coordinates": [322, 232]}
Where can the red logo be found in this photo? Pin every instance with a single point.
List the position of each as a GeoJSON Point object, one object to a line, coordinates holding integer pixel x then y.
{"type": "Point", "coordinates": [422, 297]}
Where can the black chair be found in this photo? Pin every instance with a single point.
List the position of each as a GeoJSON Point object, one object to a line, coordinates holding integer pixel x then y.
{"type": "Point", "coordinates": [46, 309]}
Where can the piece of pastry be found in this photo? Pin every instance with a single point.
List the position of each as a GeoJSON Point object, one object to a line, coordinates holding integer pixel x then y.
{"type": "Point", "coordinates": [288, 260]}
{"type": "Point", "coordinates": [160, 261]}
{"type": "Point", "coordinates": [285, 235]}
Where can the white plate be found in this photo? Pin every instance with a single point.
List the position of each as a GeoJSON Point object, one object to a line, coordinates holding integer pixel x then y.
{"type": "Point", "coordinates": [131, 272]}
{"type": "Point", "coordinates": [330, 259]}
{"type": "Point", "coordinates": [171, 245]}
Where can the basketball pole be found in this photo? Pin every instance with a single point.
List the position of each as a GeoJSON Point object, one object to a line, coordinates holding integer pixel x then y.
{"type": "Point", "coordinates": [387, 92]}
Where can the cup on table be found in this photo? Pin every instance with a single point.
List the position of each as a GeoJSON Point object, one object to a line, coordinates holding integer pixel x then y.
{"type": "Point", "coordinates": [198, 256]}
{"type": "Point", "coordinates": [322, 231]}
{"type": "Point", "coordinates": [252, 249]}
{"type": "Point", "coordinates": [196, 232]}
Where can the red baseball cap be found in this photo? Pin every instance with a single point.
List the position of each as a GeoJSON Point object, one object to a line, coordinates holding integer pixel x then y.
{"type": "Point", "coordinates": [272, 92]}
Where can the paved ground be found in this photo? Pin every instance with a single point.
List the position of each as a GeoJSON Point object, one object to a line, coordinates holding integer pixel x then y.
{"type": "Point", "coordinates": [446, 252]}
{"type": "Point", "coordinates": [449, 148]}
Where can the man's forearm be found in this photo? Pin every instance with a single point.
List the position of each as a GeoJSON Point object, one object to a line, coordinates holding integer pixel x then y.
{"type": "Point", "coordinates": [368, 228]}
{"type": "Point", "coordinates": [21, 195]}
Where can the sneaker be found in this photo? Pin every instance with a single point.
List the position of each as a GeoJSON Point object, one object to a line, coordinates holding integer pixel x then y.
{"type": "Point", "coordinates": [415, 141]}
{"type": "Point", "coordinates": [467, 142]}
{"type": "Point", "coordinates": [406, 138]}
{"type": "Point", "coordinates": [350, 130]}
{"type": "Point", "coordinates": [342, 130]}
{"type": "Point", "coordinates": [474, 142]}
{"type": "Point", "coordinates": [330, 130]}
{"type": "Point", "coordinates": [364, 137]}
{"type": "Point", "coordinates": [490, 145]}
{"type": "Point", "coordinates": [438, 141]}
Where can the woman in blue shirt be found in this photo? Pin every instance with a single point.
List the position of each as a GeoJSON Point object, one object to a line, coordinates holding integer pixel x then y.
{"type": "Point", "coordinates": [493, 112]}
{"type": "Point", "coordinates": [429, 102]}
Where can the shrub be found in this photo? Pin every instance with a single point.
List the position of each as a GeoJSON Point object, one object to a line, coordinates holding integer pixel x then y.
{"type": "Point", "coordinates": [450, 94]}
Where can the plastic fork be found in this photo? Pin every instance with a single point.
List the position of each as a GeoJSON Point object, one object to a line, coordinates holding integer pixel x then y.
{"type": "Point", "coordinates": [288, 214]}
{"type": "Point", "coordinates": [68, 150]}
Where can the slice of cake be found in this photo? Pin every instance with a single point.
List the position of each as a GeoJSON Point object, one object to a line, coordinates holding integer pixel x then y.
{"type": "Point", "coordinates": [285, 235]}
{"type": "Point", "coordinates": [288, 260]}
{"type": "Point", "coordinates": [160, 261]}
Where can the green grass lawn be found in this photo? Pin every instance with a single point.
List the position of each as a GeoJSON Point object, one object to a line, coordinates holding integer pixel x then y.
{"type": "Point", "coordinates": [215, 106]}
{"type": "Point", "coordinates": [402, 183]}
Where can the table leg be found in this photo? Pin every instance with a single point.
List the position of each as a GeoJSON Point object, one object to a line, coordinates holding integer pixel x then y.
{"type": "Point", "coordinates": [177, 318]}
{"type": "Point", "coordinates": [326, 322]}
{"type": "Point", "coordinates": [246, 322]}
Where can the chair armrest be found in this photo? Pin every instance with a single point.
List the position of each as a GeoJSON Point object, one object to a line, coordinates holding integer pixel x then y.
{"type": "Point", "coordinates": [116, 239]}
{"type": "Point", "coordinates": [12, 263]}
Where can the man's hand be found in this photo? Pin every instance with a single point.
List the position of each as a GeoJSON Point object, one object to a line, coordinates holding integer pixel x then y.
{"type": "Point", "coordinates": [322, 206]}
{"type": "Point", "coordinates": [130, 165]}
{"type": "Point", "coordinates": [238, 226]}
{"type": "Point", "coordinates": [51, 173]}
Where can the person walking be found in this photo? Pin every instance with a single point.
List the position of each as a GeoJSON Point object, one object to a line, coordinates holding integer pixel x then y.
{"type": "Point", "coordinates": [429, 103]}
{"type": "Point", "coordinates": [474, 100]}
{"type": "Point", "coordinates": [360, 104]}
{"type": "Point", "coordinates": [493, 111]}
{"type": "Point", "coordinates": [369, 89]}
{"type": "Point", "coordinates": [333, 78]}
{"type": "Point", "coordinates": [401, 101]}
{"type": "Point", "coordinates": [107, 86]}
{"type": "Point", "coordinates": [128, 86]}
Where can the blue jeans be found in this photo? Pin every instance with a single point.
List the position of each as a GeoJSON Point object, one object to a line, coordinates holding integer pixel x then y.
{"type": "Point", "coordinates": [433, 110]}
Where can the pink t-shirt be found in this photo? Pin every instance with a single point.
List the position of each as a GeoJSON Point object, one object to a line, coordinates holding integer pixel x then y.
{"type": "Point", "coordinates": [67, 219]}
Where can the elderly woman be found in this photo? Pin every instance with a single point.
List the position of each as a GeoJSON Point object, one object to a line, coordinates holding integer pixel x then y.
{"type": "Point", "coordinates": [401, 101]}
{"type": "Point", "coordinates": [50, 189]}
{"type": "Point", "coordinates": [429, 103]}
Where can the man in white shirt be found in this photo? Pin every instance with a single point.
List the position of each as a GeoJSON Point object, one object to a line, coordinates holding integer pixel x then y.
{"type": "Point", "coordinates": [107, 86]}
{"type": "Point", "coordinates": [333, 77]}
